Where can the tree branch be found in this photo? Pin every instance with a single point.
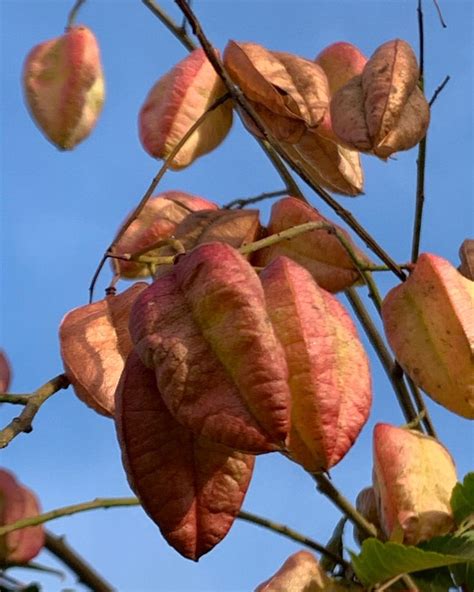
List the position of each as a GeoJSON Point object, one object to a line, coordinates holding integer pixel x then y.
{"type": "Point", "coordinates": [438, 90]}
{"type": "Point", "coordinates": [177, 31]}
{"type": "Point", "coordinates": [86, 574]}
{"type": "Point", "coordinates": [152, 188]}
{"type": "Point", "coordinates": [242, 202]}
{"type": "Point", "coordinates": [23, 423]}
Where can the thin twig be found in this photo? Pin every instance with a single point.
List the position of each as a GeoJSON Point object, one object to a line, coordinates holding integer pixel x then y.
{"type": "Point", "coordinates": [291, 185]}
{"type": "Point", "coordinates": [152, 188]}
{"type": "Point", "coordinates": [439, 90]}
{"type": "Point", "coordinates": [23, 423]}
{"type": "Point", "coordinates": [421, 406]}
{"type": "Point", "coordinates": [178, 32]}
{"type": "Point", "coordinates": [86, 574]}
{"type": "Point", "coordinates": [14, 399]}
{"type": "Point", "coordinates": [440, 14]}
{"type": "Point", "coordinates": [240, 99]}
{"type": "Point", "coordinates": [120, 502]}
{"type": "Point", "coordinates": [421, 159]}
{"type": "Point", "coordinates": [326, 487]}
{"type": "Point", "coordinates": [73, 13]}
{"type": "Point", "coordinates": [291, 534]}
{"type": "Point", "coordinates": [245, 201]}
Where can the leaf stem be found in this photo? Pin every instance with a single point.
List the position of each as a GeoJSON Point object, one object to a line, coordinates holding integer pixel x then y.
{"type": "Point", "coordinates": [23, 423]}
{"type": "Point", "coordinates": [71, 19]}
{"type": "Point", "coordinates": [245, 201]}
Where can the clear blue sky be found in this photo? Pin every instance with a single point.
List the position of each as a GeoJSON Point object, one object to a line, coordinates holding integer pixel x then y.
{"type": "Point", "coordinates": [59, 212]}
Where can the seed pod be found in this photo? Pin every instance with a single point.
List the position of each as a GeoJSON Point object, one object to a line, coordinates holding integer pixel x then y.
{"type": "Point", "coordinates": [428, 323]}
{"type": "Point", "coordinates": [191, 488]}
{"type": "Point", "coordinates": [366, 504]}
{"type": "Point", "coordinates": [157, 221]}
{"type": "Point", "coordinates": [64, 86]}
{"type": "Point", "coordinates": [414, 476]}
{"type": "Point", "coordinates": [221, 371]}
{"type": "Point", "coordinates": [341, 61]}
{"type": "Point", "coordinates": [318, 251]}
{"type": "Point", "coordinates": [18, 502]}
{"type": "Point", "coordinates": [176, 102]}
{"type": "Point", "coordinates": [5, 372]}
{"type": "Point", "coordinates": [466, 254]}
{"type": "Point", "coordinates": [382, 110]}
{"type": "Point", "coordinates": [329, 373]}
{"type": "Point", "coordinates": [290, 93]}
{"type": "Point", "coordinates": [301, 571]}
{"type": "Point", "coordinates": [95, 343]}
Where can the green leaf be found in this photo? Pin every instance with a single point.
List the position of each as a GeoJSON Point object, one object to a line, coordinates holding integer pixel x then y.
{"type": "Point", "coordinates": [379, 562]}
{"type": "Point", "coordinates": [464, 574]}
{"type": "Point", "coordinates": [335, 544]}
{"type": "Point", "coordinates": [450, 544]}
{"type": "Point", "coordinates": [462, 499]}
{"type": "Point", "coordinates": [434, 580]}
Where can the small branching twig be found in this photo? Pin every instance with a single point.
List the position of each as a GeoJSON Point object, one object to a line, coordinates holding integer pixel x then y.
{"type": "Point", "coordinates": [440, 14]}
{"type": "Point", "coordinates": [73, 13]}
{"type": "Point", "coordinates": [152, 188]}
{"type": "Point", "coordinates": [179, 32]}
{"type": "Point", "coordinates": [23, 423]}
{"type": "Point", "coordinates": [120, 502]}
{"type": "Point", "coordinates": [245, 201]}
{"type": "Point", "coordinates": [86, 574]}
{"type": "Point", "coordinates": [439, 90]}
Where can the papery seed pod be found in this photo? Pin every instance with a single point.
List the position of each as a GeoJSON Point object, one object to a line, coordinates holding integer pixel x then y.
{"type": "Point", "coordinates": [329, 374]}
{"type": "Point", "coordinates": [382, 110]}
{"type": "Point", "coordinates": [221, 371]}
{"type": "Point", "coordinates": [366, 504]}
{"type": "Point", "coordinates": [95, 343]}
{"type": "Point", "coordinates": [157, 221]}
{"type": "Point", "coordinates": [290, 93]}
{"type": "Point", "coordinates": [300, 572]}
{"type": "Point", "coordinates": [340, 61]}
{"type": "Point", "coordinates": [191, 488]}
{"type": "Point", "coordinates": [5, 372]}
{"type": "Point", "coordinates": [428, 323]}
{"type": "Point", "coordinates": [18, 502]}
{"type": "Point", "coordinates": [64, 86]}
{"type": "Point", "coordinates": [466, 254]}
{"type": "Point", "coordinates": [318, 251]}
{"type": "Point", "coordinates": [414, 476]}
{"type": "Point", "coordinates": [176, 102]}
{"type": "Point", "coordinates": [327, 163]}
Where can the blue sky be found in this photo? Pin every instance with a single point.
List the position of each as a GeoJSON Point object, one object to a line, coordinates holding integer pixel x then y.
{"type": "Point", "coordinates": [59, 212]}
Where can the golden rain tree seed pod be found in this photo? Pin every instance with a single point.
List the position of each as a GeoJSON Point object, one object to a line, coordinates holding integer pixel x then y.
{"type": "Point", "coordinates": [341, 61]}
{"type": "Point", "coordinates": [176, 102]}
{"type": "Point", "coordinates": [318, 251]}
{"type": "Point", "coordinates": [95, 343]}
{"type": "Point", "coordinates": [204, 328]}
{"type": "Point", "coordinates": [157, 221]}
{"type": "Point", "coordinates": [366, 504]}
{"type": "Point", "coordinates": [191, 488]}
{"type": "Point", "coordinates": [5, 372]}
{"type": "Point", "coordinates": [18, 502]}
{"type": "Point", "coordinates": [428, 321]}
{"type": "Point", "coordinates": [382, 110]}
{"type": "Point", "coordinates": [414, 476]}
{"type": "Point", "coordinates": [64, 86]}
{"type": "Point", "coordinates": [329, 374]}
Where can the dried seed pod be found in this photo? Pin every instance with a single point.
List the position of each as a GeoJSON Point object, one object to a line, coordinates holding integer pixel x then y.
{"type": "Point", "coordinates": [18, 502]}
{"type": "Point", "coordinates": [414, 476]}
{"type": "Point", "coordinates": [382, 110]}
{"type": "Point", "coordinates": [318, 251]}
{"type": "Point", "coordinates": [341, 61]}
{"type": "Point", "coordinates": [157, 221]}
{"type": "Point", "coordinates": [301, 571]}
{"type": "Point", "coordinates": [176, 102]}
{"type": "Point", "coordinates": [64, 86]}
{"type": "Point", "coordinates": [329, 372]}
{"type": "Point", "coordinates": [95, 343]}
{"type": "Point", "coordinates": [191, 488]}
{"type": "Point", "coordinates": [366, 504]}
{"type": "Point", "coordinates": [5, 372]}
{"type": "Point", "coordinates": [221, 371]}
{"type": "Point", "coordinates": [328, 164]}
{"type": "Point", "coordinates": [290, 93]}
{"type": "Point", "coordinates": [466, 254]}
{"type": "Point", "coordinates": [428, 323]}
